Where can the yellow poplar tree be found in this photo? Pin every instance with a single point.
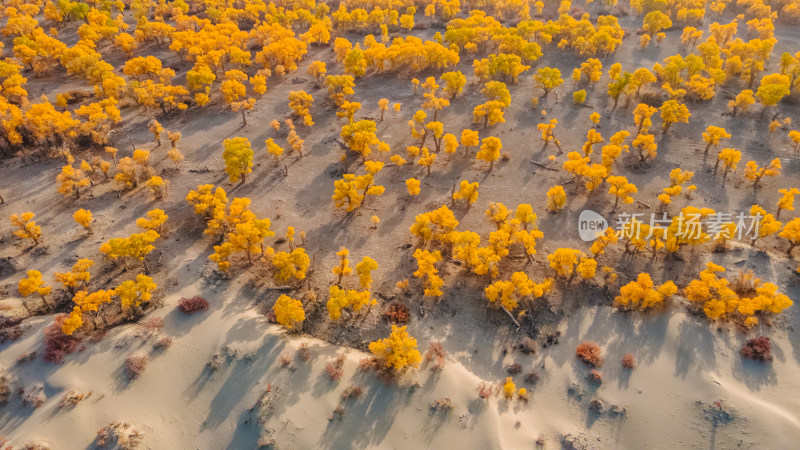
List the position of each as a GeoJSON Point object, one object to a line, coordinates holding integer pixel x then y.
{"type": "Point", "coordinates": [83, 217]}
{"type": "Point", "coordinates": [26, 227]}
{"type": "Point", "coordinates": [642, 294]}
{"type": "Point", "coordinates": [238, 158]}
{"type": "Point", "coordinates": [398, 351]}
{"type": "Point", "coordinates": [289, 312]}
{"type": "Point", "coordinates": [34, 284]}
{"type": "Point", "coordinates": [490, 150]}
{"type": "Point", "coordinates": [556, 198]}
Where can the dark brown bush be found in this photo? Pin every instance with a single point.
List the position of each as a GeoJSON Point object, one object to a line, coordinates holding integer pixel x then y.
{"type": "Point", "coordinates": [338, 413]}
{"type": "Point", "coordinates": [596, 376]}
{"type": "Point", "coordinates": [532, 377]}
{"type": "Point", "coordinates": [514, 369]}
{"type": "Point", "coordinates": [527, 346]}
{"type": "Point", "coordinates": [10, 329]}
{"type": "Point", "coordinates": [758, 349]}
{"type": "Point", "coordinates": [590, 353]}
{"type": "Point", "coordinates": [193, 305]}
{"type": "Point", "coordinates": [303, 353]}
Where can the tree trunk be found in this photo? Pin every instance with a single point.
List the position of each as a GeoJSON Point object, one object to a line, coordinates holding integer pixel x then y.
{"type": "Point", "coordinates": [45, 302]}
{"type": "Point", "coordinates": [244, 120]}
{"type": "Point", "coordinates": [27, 308]}
{"type": "Point", "coordinates": [511, 316]}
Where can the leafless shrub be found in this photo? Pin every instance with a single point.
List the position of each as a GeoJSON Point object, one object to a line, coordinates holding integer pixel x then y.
{"type": "Point", "coordinates": [337, 413]}
{"type": "Point", "coordinates": [72, 398]}
{"type": "Point", "coordinates": [442, 405]}
{"type": "Point", "coordinates": [5, 388]}
{"type": "Point", "coordinates": [11, 329]}
{"type": "Point", "coordinates": [531, 377]}
{"type": "Point", "coordinates": [367, 364]}
{"type": "Point", "coordinates": [334, 369]}
{"type": "Point", "coordinates": [135, 365]}
{"type": "Point", "coordinates": [745, 283]}
{"type": "Point", "coordinates": [216, 362]}
{"type": "Point", "coordinates": [163, 343]}
{"type": "Point", "coordinates": [32, 446]}
{"type": "Point", "coordinates": [34, 395]}
{"type": "Point", "coordinates": [436, 354]}
{"type": "Point", "coordinates": [527, 346]}
{"type": "Point", "coordinates": [286, 360]}
{"type": "Point", "coordinates": [27, 356]}
{"type": "Point", "coordinates": [303, 353]}
{"type": "Point", "coordinates": [150, 327]}
{"type": "Point", "coordinates": [485, 390]}
{"type": "Point", "coordinates": [352, 391]}
{"type": "Point", "coordinates": [120, 434]}
{"type": "Point", "coordinates": [595, 376]}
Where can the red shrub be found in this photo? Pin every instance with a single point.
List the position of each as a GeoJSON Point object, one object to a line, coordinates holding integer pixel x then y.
{"type": "Point", "coordinates": [193, 305]}
{"type": "Point", "coordinates": [335, 368]}
{"type": "Point", "coordinates": [135, 364]}
{"type": "Point", "coordinates": [398, 313]}
{"type": "Point", "coordinates": [56, 343]}
{"type": "Point", "coordinates": [590, 353]}
{"type": "Point", "coordinates": [628, 361]}
{"type": "Point", "coordinates": [758, 349]}
{"type": "Point", "coordinates": [596, 376]}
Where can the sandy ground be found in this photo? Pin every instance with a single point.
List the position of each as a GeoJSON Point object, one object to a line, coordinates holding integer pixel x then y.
{"type": "Point", "coordinates": [684, 363]}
